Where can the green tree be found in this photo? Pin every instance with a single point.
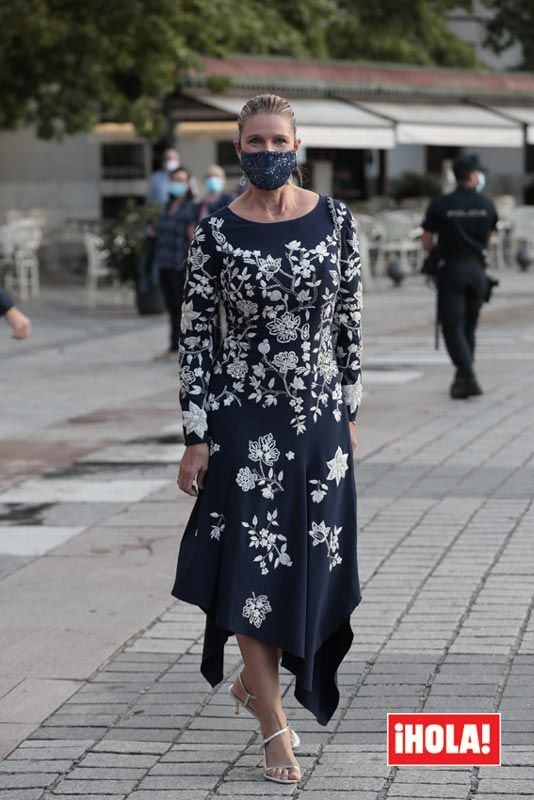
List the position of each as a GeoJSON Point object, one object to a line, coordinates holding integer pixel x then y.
{"type": "Point", "coordinates": [399, 31]}
{"type": "Point", "coordinates": [512, 22]}
{"type": "Point", "coordinates": [65, 65]}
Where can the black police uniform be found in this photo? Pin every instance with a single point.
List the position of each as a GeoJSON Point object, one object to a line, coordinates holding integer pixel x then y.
{"type": "Point", "coordinates": [463, 221]}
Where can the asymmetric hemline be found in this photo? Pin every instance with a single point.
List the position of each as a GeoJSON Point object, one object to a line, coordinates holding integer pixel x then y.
{"type": "Point", "coordinates": [270, 548]}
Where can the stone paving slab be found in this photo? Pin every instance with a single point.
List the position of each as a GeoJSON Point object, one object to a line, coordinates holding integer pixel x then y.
{"type": "Point", "coordinates": [446, 521]}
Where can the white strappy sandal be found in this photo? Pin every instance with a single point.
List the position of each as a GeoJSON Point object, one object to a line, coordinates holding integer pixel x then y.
{"type": "Point", "coordinates": [278, 766]}
{"type": "Point", "coordinates": [295, 738]}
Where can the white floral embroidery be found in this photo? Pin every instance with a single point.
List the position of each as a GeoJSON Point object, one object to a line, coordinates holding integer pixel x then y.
{"type": "Point", "coordinates": [214, 447]}
{"type": "Point", "coordinates": [187, 378]}
{"type": "Point", "coordinates": [290, 455]}
{"type": "Point", "coordinates": [322, 534]}
{"type": "Point", "coordinates": [195, 420]}
{"type": "Point", "coordinates": [352, 394]}
{"type": "Point", "coordinates": [337, 466]}
{"type": "Point", "coordinates": [219, 526]}
{"type": "Point", "coordinates": [237, 369]}
{"type": "Point", "coordinates": [320, 491]}
{"type": "Point", "coordinates": [189, 315]}
{"type": "Point", "coordinates": [268, 266]}
{"type": "Point", "coordinates": [321, 250]}
{"type": "Point", "coordinates": [267, 539]}
{"type": "Point", "coordinates": [285, 361]}
{"type": "Point", "coordinates": [309, 297]}
{"type": "Point", "coordinates": [285, 328]}
{"type": "Point", "coordinates": [246, 479]}
{"type": "Point", "coordinates": [263, 452]}
{"type": "Point", "coordinates": [197, 258]}
{"type": "Point", "coordinates": [256, 609]}
{"type": "Point", "coordinates": [247, 307]}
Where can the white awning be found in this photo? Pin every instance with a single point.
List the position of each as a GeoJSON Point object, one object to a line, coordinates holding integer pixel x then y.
{"type": "Point", "coordinates": [324, 122]}
{"type": "Point", "coordinates": [457, 124]}
{"type": "Point", "coordinates": [522, 114]}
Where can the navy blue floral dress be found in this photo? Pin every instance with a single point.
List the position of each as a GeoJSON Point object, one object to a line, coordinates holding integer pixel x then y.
{"type": "Point", "coordinates": [270, 547]}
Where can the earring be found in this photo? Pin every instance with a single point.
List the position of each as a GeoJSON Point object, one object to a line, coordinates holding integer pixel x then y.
{"type": "Point", "coordinates": [243, 180]}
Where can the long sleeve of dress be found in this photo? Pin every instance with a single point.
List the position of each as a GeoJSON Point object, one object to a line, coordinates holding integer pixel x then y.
{"type": "Point", "coordinates": [348, 313]}
{"type": "Point", "coordinates": [196, 345]}
{"type": "Point", "coordinates": [5, 302]}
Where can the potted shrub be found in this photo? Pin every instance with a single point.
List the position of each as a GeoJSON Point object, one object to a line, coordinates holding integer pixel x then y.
{"type": "Point", "coordinates": [131, 254]}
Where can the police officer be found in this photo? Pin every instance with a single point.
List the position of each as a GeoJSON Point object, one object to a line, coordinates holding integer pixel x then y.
{"type": "Point", "coordinates": [463, 221]}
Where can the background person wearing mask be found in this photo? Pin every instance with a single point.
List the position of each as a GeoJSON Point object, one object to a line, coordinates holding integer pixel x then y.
{"type": "Point", "coordinates": [463, 221]}
{"type": "Point", "coordinates": [216, 196]}
{"type": "Point", "coordinates": [19, 323]}
{"type": "Point", "coordinates": [174, 230]}
{"type": "Point", "coordinates": [158, 184]}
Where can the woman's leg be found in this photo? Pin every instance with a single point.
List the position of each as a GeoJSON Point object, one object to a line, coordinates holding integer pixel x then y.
{"type": "Point", "coordinates": [261, 678]}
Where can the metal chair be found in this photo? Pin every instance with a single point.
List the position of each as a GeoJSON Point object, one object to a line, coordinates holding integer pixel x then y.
{"type": "Point", "coordinates": [373, 231]}
{"type": "Point", "coordinates": [19, 245]}
{"type": "Point", "coordinates": [98, 268]}
{"type": "Point", "coordinates": [401, 236]}
{"type": "Point", "coordinates": [522, 230]}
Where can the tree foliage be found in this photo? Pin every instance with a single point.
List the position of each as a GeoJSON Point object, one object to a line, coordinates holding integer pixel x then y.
{"type": "Point", "coordinates": [399, 31]}
{"type": "Point", "coordinates": [512, 21]}
{"type": "Point", "coordinates": [65, 65]}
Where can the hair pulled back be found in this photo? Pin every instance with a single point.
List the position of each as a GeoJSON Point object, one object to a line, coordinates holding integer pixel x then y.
{"type": "Point", "coordinates": [269, 104]}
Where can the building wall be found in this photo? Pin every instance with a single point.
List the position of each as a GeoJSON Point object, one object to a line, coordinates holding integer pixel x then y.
{"type": "Point", "coordinates": [197, 156]}
{"type": "Point", "coordinates": [506, 173]}
{"type": "Point", "coordinates": [61, 178]}
{"type": "Point", "coordinates": [405, 158]}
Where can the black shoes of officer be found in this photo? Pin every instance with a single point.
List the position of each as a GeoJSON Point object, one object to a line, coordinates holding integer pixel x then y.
{"type": "Point", "coordinates": [464, 387]}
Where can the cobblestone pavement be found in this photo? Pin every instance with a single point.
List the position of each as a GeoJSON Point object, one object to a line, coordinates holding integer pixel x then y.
{"type": "Point", "coordinates": [447, 565]}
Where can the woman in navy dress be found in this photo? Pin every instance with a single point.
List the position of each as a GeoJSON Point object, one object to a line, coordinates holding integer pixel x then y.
{"type": "Point", "coordinates": [269, 552]}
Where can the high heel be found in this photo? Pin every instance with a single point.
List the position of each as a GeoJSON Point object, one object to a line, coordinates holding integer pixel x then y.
{"type": "Point", "coordinates": [295, 738]}
{"type": "Point", "coordinates": [278, 766]}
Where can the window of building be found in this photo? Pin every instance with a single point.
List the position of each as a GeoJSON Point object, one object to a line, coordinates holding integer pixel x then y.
{"type": "Point", "coordinates": [123, 161]}
{"type": "Point", "coordinates": [112, 205]}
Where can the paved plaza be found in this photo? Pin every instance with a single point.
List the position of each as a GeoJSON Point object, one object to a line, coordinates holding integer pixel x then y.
{"type": "Point", "coordinates": [100, 690]}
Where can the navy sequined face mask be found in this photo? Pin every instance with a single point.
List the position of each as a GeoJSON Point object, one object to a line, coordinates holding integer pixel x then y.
{"type": "Point", "coordinates": [268, 169]}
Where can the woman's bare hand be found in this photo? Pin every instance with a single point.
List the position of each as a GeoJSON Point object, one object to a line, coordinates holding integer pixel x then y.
{"type": "Point", "coordinates": [20, 324]}
{"type": "Point", "coordinates": [193, 467]}
{"type": "Point", "coordinates": [353, 435]}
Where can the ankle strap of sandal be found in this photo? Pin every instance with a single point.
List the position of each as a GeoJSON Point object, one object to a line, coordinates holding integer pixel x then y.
{"type": "Point", "coordinates": [277, 733]}
{"type": "Point", "coordinates": [248, 695]}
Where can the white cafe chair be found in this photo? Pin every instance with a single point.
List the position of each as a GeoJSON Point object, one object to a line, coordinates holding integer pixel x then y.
{"type": "Point", "coordinates": [98, 268]}
{"type": "Point", "coordinates": [401, 237]}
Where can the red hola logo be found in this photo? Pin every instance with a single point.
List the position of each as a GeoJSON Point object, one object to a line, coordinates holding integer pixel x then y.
{"type": "Point", "coordinates": [436, 739]}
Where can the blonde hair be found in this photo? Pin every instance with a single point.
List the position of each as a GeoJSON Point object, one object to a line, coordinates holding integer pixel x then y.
{"type": "Point", "coordinates": [215, 169]}
{"type": "Point", "coordinates": [266, 104]}
{"type": "Point", "coordinates": [269, 104]}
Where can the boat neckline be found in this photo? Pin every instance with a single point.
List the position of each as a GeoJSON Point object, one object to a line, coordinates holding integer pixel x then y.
{"type": "Point", "coordinates": [279, 221]}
